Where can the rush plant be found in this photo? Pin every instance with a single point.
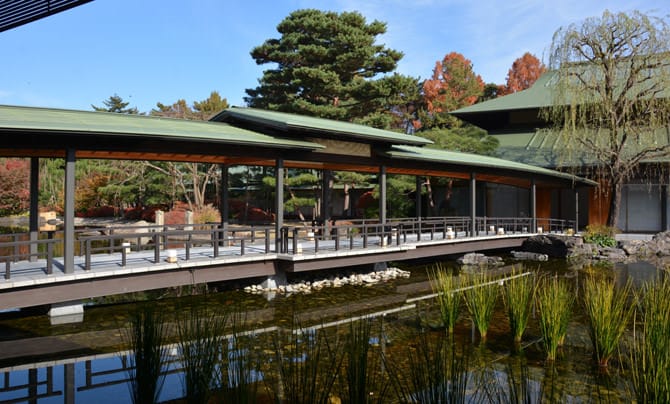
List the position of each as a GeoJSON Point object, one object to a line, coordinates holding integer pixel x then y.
{"type": "Point", "coordinates": [480, 298]}
{"type": "Point", "coordinates": [555, 301]}
{"type": "Point", "coordinates": [519, 293]}
{"type": "Point", "coordinates": [609, 311]}
{"type": "Point", "coordinates": [650, 353]}
{"type": "Point", "coordinates": [449, 299]}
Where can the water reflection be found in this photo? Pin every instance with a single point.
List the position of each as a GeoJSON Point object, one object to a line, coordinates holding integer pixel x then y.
{"type": "Point", "coordinates": [86, 362]}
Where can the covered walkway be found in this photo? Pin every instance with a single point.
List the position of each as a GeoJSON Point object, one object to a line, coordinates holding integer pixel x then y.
{"type": "Point", "coordinates": [241, 136]}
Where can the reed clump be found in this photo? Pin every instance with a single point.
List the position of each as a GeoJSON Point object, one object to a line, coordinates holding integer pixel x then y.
{"type": "Point", "coordinates": [363, 379]}
{"type": "Point", "coordinates": [555, 301]}
{"type": "Point", "coordinates": [609, 311]}
{"type": "Point", "coordinates": [519, 293]}
{"type": "Point", "coordinates": [650, 350]}
{"type": "Point", "coordinates": [201, 336]}
{"type": "Point", "coordinates": [481, 294]}
{"type": "Point", "coordinates": [430, 371]}
{"type": "Point", "coordinates": [449, 298]}
{"type": "Point", "coordinates": [146, 337]}
{"type": "Point", "coordinates": [306, 364]}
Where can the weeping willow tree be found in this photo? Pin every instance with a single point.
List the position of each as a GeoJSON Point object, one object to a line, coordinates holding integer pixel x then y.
{"type": "Point", "coordinates": [611, 105]}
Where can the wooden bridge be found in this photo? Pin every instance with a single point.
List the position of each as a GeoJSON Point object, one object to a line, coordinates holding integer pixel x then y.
{"type": "Point", "coordinates": [115, 260]}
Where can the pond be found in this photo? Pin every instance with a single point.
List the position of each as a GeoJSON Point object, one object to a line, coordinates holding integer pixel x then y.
{"type": "Point", "coordinates": [268, 346]}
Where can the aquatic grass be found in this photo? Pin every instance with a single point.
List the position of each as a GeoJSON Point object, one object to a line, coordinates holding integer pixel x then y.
{"type": "Point", "coordinates": [519, 293]}
{"type": "Point", "coordinates": [201, 335]}
{"type": "Point", "coordinates": [306, 364]}
{"type": "Point", "coordinates": [362, 376]}
{"type": "Point", "coordinates": [430, 371]}
{"type": "Point", "coordinates": [146, 337]}
{"type": "Point", "coordinates": [481, 294]}
{"type": "Point", "coordinates": [650, 349]}
{"type": "Point", "coordinates": [514, 384]}
{"type": "Point", "coordinates": [449, 298]}
{"type": "Point", "coordinates": [240, 369]}
{"type": "Point", "coordinates": [609, 311]}
{"type": "Point", "coordinates": [555, 301]}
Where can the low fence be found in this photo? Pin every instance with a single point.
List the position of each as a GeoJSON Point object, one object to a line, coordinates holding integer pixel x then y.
{"type": "Point", "coordinates": [333, 236]}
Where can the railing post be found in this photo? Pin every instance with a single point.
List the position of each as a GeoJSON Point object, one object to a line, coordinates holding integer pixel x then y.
{"type": "Point", "coordinates": [50, 258]}
{"type": "Point", "coordinates": [351, 239]}
{"type": "Point", "coordinates": [157, 248]}
{"type": "Point", "coordinates": [87, 256]}
{"type": "Point", "coordinates": [188, 247]}
{"type": "Point", "coordinates": [267, 241]}
{"type": "Point", "coordinates": [316, 245]}
{"type": "Point", "coordinates": [295, 240]}
{"type": "Point", "coordinates": [7, 264]}
{"type": "Point", "coordinates": [111, 240]}
{"type": "Point", "coordinates": [337, 237]}
{"type": "Point", "coordinates": [218, 236]}
{"type": "Point", "coordinates": [123, 256]}
{"type": "Point", "coordinates": [365, 235]}
{"type": "Point", "coordinates": [242, 246]}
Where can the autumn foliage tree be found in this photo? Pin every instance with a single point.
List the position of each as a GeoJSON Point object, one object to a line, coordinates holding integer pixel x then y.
{"type": "Point", "coordinates": [15, 189]}
{"type": "Point", "coordinates": [524, 73]}
{"type": "Point", "coordinates": [454, 85]}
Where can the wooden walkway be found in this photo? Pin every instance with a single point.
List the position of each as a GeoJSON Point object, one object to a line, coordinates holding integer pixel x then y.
{"type": "Point", "coordinates": [130, 268]}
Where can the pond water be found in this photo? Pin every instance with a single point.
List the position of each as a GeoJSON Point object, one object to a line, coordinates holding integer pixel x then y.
{"type": "Point", "coordinates": [89, 361]}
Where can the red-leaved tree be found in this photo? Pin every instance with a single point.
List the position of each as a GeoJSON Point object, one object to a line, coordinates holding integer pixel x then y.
{"type": "Point", "coordinates": [524, 72]}
{"type": "Point", "coordinates": [14, 186]}
{"type": "Point", "coordinates": [454, 85]}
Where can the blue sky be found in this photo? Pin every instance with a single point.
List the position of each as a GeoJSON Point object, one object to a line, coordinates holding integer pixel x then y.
{"type": "Point", "coordinates": [149, 51]}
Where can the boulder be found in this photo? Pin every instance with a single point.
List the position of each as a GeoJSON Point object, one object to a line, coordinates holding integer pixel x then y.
{"type": "Point", "coordinates": [660, 244]}
{"type": "Point", "coordinates": [553, 245]}
{"type": "Point", "coordinates": [529, 256]}
{"type": "Point", "coordinates": [476, 259]}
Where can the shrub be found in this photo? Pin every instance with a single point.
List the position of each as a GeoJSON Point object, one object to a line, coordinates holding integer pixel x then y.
{"type": "Point", "coordinates": [600, 235]}
{"type": "Point", "coordinates": [206, 214]}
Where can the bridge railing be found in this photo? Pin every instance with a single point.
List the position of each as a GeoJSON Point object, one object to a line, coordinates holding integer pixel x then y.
{"type": "Point", "coordinates": [333, 236]}
{"type": "Point", "coordinates": [350, 234]}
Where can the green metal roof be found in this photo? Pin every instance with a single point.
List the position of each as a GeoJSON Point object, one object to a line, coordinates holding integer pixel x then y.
{"type": "Point", "coordinates": [477, 161]}
{"type": "Point", "coordinates": [537, 96]}
{"type": "Point", "coordinates": [13, 118]}
{"type": "Point", "coordinates": [292, 122]}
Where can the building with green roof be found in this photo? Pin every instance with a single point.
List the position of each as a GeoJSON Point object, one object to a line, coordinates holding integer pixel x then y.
{"type": "Point", "coordinates": [526, 138]}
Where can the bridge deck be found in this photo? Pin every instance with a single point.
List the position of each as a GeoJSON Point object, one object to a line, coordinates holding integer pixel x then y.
{"type": "Point", "coordinates": [29, 283]}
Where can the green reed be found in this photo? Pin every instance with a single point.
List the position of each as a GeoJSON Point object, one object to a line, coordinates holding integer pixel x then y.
{"type": "Point", "coordinates": [514, 385]}
{"type": "Point", "coordinates": [519, 293]}
{"type": "Point", "coordinates": [480, 298]}
{"type": "Point", "coordinates": [449, 299]}
{"type": "Point", "coordinates": [146, 337]}
{"type": "Point", "coordinates": [555, 301]}
{"type": "Point", "coordinates": [201, 335]}
{"type": "Point", "coordinates": [306, 364]}
{"type": "Point", "coordinates": [240, 364]}
{"type": "Point", "coordinates": [362, 377]}
{"type": "Point", "coordinates": [650, 350]}
{"type": "Point", "coordinates": [609, 311]}
{"type": "Point", "coordinates": [430, 371]}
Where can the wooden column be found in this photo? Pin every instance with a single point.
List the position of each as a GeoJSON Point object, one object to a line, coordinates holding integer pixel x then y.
{"type": "Point", "coordinates": [34, 215]}
{"type": "Point", "coordinates": [68, 216]}
{"type": "Point", "coordinates": [473, 205]}
{"type": "Point", "coordinates": [417, 197]}
{"type": "Point", "coordinates": [382, 194]}
{"type": "Point", "coordinates": [225, 198]}
{"type": "Point", "coordinates": [533, 206]}
{"type": "Point", "coordinates": [279, 202]}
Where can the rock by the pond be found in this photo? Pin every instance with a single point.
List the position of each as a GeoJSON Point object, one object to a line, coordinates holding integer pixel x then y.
{"type": "Point", "coordinates": [477, 259]}
{"type": "Point", "coordinates": [529, 256]}
{"type": "Point", "coordinates": [553, 245]}
{"type": "Point", "coordinates": [660, 244]}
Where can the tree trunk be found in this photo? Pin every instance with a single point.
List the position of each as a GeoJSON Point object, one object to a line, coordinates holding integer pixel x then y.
{"type": "Point", "coordinates": [615, 203]}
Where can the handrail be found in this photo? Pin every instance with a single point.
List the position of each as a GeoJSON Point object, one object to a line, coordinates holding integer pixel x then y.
{"type": "Point", "coordinates": [16, 245]}
{"type": "Point", "coordinates": [334, 235]}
